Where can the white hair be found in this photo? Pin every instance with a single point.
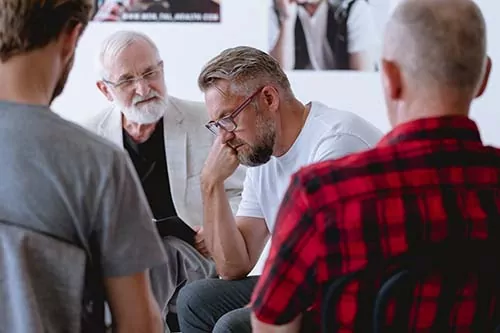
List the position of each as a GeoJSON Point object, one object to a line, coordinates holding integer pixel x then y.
{"type": "Point", "coordinates": [114, 44]}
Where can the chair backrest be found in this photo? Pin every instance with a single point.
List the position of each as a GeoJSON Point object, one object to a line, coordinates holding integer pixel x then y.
{"type": "Point", "coordinates": [42, 282]}
{"type": "Point", "coordinates": [436, 287]}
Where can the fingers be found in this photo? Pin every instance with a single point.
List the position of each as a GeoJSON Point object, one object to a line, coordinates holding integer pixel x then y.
{"type": "Point", "coordinates": [220, 148]}
{"type": "Point", "coordinates": [199, 242]}
{"type": "Point", "coordinates": [199, 233]}
{"type": "Point", "coordinates": [200, 247]}
{"type": "Point", "coordinates": [109, 12]}
{"type": "Point", "coordinates": [218, 139]}
{"type": "Point", "coordinates": [204, 252]}
{"type": "Point", "coordinates": [220, 163]}
{"type": "Point", "coordinates": [198, 239]}
{"type": "Point", "coordinates": [230, 150]}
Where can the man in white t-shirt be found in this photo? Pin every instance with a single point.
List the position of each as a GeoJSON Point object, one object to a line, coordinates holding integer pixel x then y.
{"type": "Point", "coordinates": [259, 123]}
{"type": "Point", "coordinates": [322, 34]}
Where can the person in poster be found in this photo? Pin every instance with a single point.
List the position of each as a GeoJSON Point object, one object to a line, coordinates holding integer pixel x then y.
{"type": "Point", "coordinates": [157, 10]}
{"type": "Point", "coordinates": [323, 34]}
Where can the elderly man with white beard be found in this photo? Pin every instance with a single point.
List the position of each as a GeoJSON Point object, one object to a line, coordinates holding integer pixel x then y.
{"type": "Point", "coordinates": [168, 145]}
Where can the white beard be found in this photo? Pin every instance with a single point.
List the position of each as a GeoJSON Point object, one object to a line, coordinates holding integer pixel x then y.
{"type": "Point", "coordinates": [148, 113]}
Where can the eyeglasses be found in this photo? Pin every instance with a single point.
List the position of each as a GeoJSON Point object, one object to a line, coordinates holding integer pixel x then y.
{"type": "Point", "coordinates": [227, 123]}
{"type": "Point", "coordinates": [128, 84]}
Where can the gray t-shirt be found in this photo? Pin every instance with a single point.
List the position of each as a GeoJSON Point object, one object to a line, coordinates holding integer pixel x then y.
{"type": "Point", "coordinates": [63, 180]}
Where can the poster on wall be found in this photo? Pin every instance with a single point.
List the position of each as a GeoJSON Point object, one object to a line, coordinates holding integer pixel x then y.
{"type": "Point", "coordinates": [204, 11]}
{"type": "Point", "coordinates": [327, 34]}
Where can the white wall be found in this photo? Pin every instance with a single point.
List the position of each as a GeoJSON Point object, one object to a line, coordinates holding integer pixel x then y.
{"type": "Point", "coordinates": [185, 47]}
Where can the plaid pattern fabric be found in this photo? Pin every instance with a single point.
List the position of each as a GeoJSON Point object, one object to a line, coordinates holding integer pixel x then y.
{"type": "Point", "coordinates": [430, 179]}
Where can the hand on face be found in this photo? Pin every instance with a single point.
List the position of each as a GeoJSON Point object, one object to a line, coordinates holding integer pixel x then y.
{"type": "Point", "coordinates": [287, 8]}
{"type": "Point", "coordinates": [221, 163]}
{"type": "Point", "coordinates": [111, 10]}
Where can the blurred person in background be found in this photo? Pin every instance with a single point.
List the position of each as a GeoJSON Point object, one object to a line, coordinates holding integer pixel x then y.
{"type": "Point", "coordinates": [323, 35]}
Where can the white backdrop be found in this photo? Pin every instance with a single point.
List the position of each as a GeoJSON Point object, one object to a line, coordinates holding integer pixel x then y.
{"type": "Point", "coordinates": [185, 47]}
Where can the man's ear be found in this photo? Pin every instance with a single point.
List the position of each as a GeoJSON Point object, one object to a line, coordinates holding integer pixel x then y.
{"type": "Point", "coordinates": [391, 79]}
{"type": "Point", "coordinates": [271, 97]}
{"type": "Point", "coordinates": [104, 89]}
{"type": "Point", "coordinates": [486, 77]}
{"type": "Point", "coordinates": [69, 40]}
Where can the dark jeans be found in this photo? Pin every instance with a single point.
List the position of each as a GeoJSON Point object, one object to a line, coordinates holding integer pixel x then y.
{"type": "Point", "coordinates": [215, 305]}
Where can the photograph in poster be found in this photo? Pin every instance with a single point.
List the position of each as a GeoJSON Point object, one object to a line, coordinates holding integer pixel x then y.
{"type": "Point", "coordinates": [205, 11]}
{"type": "Point", "coordinates": [327, 34]}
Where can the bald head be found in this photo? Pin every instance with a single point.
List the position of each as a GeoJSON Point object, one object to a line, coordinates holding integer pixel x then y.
{"type": "Point", "coordinates": [438, 44]}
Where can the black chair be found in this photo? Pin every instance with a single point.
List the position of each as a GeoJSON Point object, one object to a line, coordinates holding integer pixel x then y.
{"type": "Point", "coordinates": [392, 284]}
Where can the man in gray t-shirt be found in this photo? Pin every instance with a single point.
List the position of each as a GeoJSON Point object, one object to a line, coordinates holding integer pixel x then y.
{"type": "Point", "coordinates": [61, 180]}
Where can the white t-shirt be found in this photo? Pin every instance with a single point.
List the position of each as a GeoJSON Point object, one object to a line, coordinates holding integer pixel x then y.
{"type": "Point", "coordinates": [361, 33]}
{"type": "Point", "coordinates": [327, 134]}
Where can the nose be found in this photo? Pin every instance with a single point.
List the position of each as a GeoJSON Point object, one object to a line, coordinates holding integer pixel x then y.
{"type": "Point", "coordinates": [142, 87]}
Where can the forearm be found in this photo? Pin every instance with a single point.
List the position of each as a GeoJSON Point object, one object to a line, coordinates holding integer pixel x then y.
{"type": "Point", "coordinates": [132, 304]}
{"type": "Point", "coordinates": [152, 325]}
{"type": "Point", "coordinates": [222, 236]}
{"type": "Point", "coordinates": [284, 49]}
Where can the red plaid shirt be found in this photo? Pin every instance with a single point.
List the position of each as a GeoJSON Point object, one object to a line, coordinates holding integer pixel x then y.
{"type": "Point", "coordinates": [426, 180]}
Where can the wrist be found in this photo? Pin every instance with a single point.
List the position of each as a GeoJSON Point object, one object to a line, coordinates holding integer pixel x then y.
{"type": "Point", "coordinates": [209, 181]}
{"type": "Point", "coordinates": [287, 20]}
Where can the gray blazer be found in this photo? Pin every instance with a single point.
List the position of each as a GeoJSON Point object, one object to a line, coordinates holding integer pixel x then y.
{"type": "Point", "coordinates": [187, 144]}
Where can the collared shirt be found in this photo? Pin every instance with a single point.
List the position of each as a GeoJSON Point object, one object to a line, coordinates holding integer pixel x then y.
{"type": "Point", "coordinates": [151, 165]}
{"type": "Point", "coordinates": [426, 180]}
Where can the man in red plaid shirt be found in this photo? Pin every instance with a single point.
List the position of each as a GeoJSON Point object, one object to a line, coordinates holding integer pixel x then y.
{"type": "Point", "coordinates": [430, 178]}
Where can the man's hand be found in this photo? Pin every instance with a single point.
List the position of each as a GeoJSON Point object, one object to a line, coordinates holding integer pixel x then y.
{"type": "Point", "coordinates": [110, 11]}
{"type": "Point", "coordinates": [199, 242]}
{"type": "Point", "coordinates": [221, 163]}
{"type": "Point", "coordinates": [287, 9]}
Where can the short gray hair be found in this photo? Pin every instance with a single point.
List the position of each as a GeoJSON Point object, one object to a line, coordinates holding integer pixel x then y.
{"type": "Point", "coordinates": [114, 44]}
{"type": "Point", "coordinates": [246, 69]}
{"type": "Point", "coordinates": [439, 43]}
